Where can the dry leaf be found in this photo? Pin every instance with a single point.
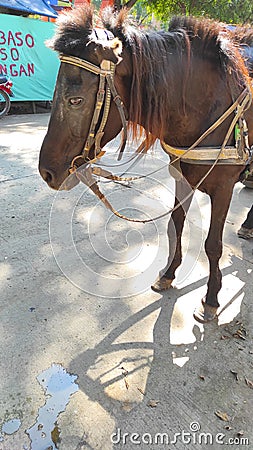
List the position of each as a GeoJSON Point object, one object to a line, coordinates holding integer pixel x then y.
{"type": "Point", "coordinates": [240, 433]}
{"type": "Point", "coordinates": [153, 403]}
{"type": "Point", "coordinates": [222, 416]}
{"type": "Point", "coordinates": [55, 435]}
{"type": "Point", "coordinates": [202, 377]}
{"type": "Point", "coordinates": [127, 406]}
{"type": "Point", "coordinates": [141, 391]}
{"type": "Point", "coordinates": [235, 374]}
{"type": "Point", "coordinates": [240, 334]}
{"type": "Point", "coordinates": [224, 337]}
{"type": "Point", "coordinates": [124, 371]}
{"type": "Point", "coordinates": [249, 383]}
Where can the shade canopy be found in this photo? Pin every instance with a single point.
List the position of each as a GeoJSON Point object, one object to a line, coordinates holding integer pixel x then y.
{"type": "Point", "coordinates": [41, 7]}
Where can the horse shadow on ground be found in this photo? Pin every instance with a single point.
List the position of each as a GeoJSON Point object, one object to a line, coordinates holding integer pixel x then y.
{"type": "Point", "coordinates": [189, 378]}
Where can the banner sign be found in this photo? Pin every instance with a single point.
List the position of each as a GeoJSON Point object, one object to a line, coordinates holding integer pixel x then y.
{"type": "Point", "coordinates": [25, 59]}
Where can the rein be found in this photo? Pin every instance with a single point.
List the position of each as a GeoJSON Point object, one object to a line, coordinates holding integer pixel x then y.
{"type": "Point", "coordinates": [106, 91]}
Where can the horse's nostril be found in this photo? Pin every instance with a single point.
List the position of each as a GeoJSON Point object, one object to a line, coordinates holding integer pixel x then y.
{"type": "Point", "coordinates": [47, 175]}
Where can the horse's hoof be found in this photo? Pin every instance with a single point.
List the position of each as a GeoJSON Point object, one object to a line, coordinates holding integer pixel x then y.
{"type": "Point", "coordinates": [162, 284]}
{"type": "Point", "coordinates": [245, 233]}
{"type": "Point", "coordinates": [248, 182]}
{"type": "Point", "coordinates": [205, 313]}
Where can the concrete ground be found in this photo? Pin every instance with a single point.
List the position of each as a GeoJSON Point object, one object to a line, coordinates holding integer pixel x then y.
{"type": "Point", "coordinates": [91, 358]}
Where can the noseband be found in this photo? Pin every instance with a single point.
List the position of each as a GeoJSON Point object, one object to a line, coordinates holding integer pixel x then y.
{"type": "Point", "coordinates": [106, 91]}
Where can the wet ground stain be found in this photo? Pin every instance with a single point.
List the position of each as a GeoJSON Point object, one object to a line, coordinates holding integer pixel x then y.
{"type": "Point", "coordinates": [9, 427]}
{"type": "Point", "coordinates": [58, 385]}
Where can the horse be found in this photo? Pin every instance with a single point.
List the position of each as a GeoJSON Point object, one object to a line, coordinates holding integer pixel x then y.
{"type": "Point", "coordinates": [244, 38]}
{"type": "Point", "coordinates": [185, 86]}
{"type": "Point", "coordinates": [246, 230]}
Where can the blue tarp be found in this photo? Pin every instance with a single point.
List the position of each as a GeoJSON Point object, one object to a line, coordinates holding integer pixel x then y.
{"type": "Point", "coordinates": [24, 58]}
{"type": "Point", "coordinates": [41, 7]}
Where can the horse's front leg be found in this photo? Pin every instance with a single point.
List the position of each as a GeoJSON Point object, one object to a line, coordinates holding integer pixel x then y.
{"type": "Point", "coordinates": [220, 201]}
{"type": "Point", "coordinates": [183, 197]}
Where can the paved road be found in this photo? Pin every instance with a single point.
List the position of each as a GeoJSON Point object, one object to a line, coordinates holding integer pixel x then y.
{"type": "Point", "coordinates": [91, 358]}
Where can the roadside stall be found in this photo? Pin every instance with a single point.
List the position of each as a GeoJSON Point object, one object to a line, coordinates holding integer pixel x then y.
{"type": "Point", "coordinates": [24, 58]}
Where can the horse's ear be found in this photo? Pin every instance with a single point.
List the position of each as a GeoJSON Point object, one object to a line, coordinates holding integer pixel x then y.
{"type": "Point", "coordinates": [110, 50]}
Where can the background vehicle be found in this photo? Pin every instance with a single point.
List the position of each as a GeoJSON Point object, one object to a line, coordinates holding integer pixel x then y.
{"type": "Point", "coordinates": [5, 94]}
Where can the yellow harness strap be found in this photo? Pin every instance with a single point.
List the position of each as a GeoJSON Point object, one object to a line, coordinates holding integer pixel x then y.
{"type": "Point", "coordinates": [205, 155]}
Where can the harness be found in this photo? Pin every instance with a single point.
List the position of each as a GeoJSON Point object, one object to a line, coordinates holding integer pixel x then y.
{"type": "Point", "coordinates": [235, 155]}
{"type": "Point", "coordinates": [241, 154]}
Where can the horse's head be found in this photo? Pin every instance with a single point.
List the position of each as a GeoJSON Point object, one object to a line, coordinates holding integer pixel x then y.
{"type": "Point", "coordinates": [77, 111]}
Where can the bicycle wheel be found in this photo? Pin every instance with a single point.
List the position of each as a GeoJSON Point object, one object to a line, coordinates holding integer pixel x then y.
{"type": "Point", "coordinates": [5, 103]}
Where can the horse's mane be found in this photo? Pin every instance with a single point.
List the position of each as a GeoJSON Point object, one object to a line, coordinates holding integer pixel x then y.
{"type": "Point", "coordinates": [151, 56]}
{"type": "Point", "coordinates": [243, 38]}
{"type": "Point", "coordinates": [243, 35]}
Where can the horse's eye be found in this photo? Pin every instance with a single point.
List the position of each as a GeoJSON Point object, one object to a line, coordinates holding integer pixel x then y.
{"type": "Point", "coordinates": [75, 101]}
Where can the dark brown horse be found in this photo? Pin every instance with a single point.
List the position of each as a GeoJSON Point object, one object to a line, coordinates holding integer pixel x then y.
{"type": "Point", "coordinates": [246, 230]}
{"type": "Point", "coordinates": [244, 38]}
{"type": "Point", "coordinates": [175, 85]}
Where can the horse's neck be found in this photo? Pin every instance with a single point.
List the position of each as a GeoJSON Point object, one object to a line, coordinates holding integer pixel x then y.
{"type": "Point", "coordinates": [198, 106]}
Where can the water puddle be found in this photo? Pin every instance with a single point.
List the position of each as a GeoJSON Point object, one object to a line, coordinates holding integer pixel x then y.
{"type": "Point", "coordinates": [58, 385]}
{"type": "Point", "coordinates": [9, 427]}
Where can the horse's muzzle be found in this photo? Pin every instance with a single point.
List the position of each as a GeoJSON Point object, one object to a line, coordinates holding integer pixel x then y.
{"type": "Point", "coordinates": [64, 183]}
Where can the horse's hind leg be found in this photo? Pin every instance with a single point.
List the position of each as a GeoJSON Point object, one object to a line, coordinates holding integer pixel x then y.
{"type": "Point", "coordinates": [246, 230]}
{"type": "Point", "coordinates": [220, 201]}
{"type": "Point", "coordinates": [175, 229]}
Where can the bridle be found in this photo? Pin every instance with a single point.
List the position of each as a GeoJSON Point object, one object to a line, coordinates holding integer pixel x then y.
{"type": "Point", "coordinates": [106, 92]}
